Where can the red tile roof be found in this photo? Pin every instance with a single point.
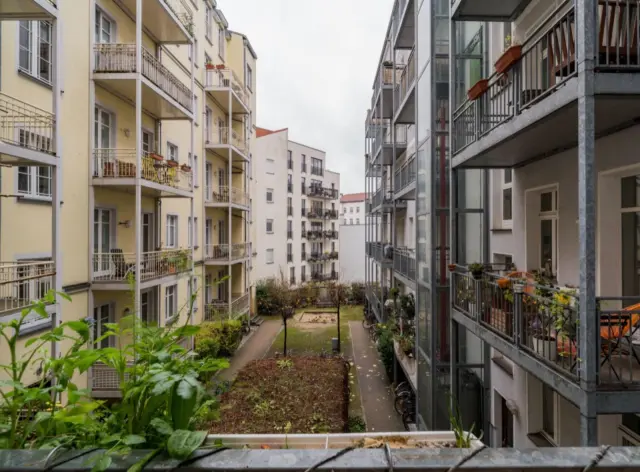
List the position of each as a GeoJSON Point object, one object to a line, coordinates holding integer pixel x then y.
{"type": "Point", "coordinates": [353, 197]}
{"type": "Point", "coordinates": [260, 132]}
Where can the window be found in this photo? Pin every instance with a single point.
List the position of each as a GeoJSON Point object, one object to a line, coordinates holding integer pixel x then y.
{"type": "Point", "coordinates": [507, 197]}
{"type": "Point", "coordinates": [193, 241]}
{"type": "Point", "coordinates": [196, 113]}
{"type": "Point", "coordinates": [357, 209]}
{"type": "Point", "coordinates": [292, 275]}
{"type": "Point", "coordinates": [208, 22]}
{"type": "Point", "coordinates": [35, 181]}
{"type": "Point", "coordinates": [172, 152]}
{"type": "Point", "coordinates": [548, 232]}
{"type": "Point", "coordinates": [249, 83]}
{"type": "Point", "coordinates": [357, 221]}
{"type": "Point", "coordinates": [35, 50]}
{"type": "Point", "coordinates": [196, 181]}
{"type": "Point", "coordinates": [269, 195]}
{"type": "Point", "coordinates": [269, 256]}
{"type": "Point", "coordinates": [172, 230]}
{"type": "Point", "coordinates": [170, 302]}
{"type": "Point", "coordinates": [104, 28]}
{"type": "Point", "coordinates": [101, 317]}
{"type": "Point", "coordinates": [303, 273]}
{"type": "Point", "coordinates": [194, 290]}
{"type": "Point", "coordinates": [221, 41]}
{"type": "Point", "coordinates": [269, 226]}
{"type": "Point", "coordinates": [548, 412]}
{"type": "Point", "coordinates": [350, 209]}
{"type": "Point", "coordinates": [316, 166]}
{"type": "Point", "coordinates": [208, 176]}
{"type": "Point", "coordinates": [350, 221]}
{"type": "Point", "coordinates": [270, 166]}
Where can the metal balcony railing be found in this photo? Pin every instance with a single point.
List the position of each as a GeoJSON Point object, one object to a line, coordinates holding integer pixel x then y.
{"type": "Point", "coordinates": [382, 252]}
{"type": "Point", "coordinates": [315, 214]}
{"type": "Point", "coordinates": [105, 378]}
{"type": "Point", "coordinates": [121, 58]}
{"type": "Point", "coordinates": [320, 276]}
{"type": "Point", "coordinates": [406, 175]}
{"type": "Point", "coordinates": [407, 79]}
{"type": "Point", "coordinates": [22, 282]}
{"type": "Point", "coordinates": [331, 234]}
{"type": "Point", "coordinates": [382, 197]}
{"type": "Point", "coordinates": [118, 266]}
{"type": "Point", "coordinates": [24, 125]}
{"type": "Point", "coordinates": [223, 194]}
{"type": "Point", "coordinates": [121, 163]}
{"type": "Point", "coordinates": [217, 310]}
{"type": "Point", "coordinates": [404, 262]}
{"type": "Point", "coordinates": [318, 191]}
{"type": "Point", "coordinates": [314, 234]}
{"type": "Point", "coordinates": [223, 136]}
{"type": "Point", "coordinates": [398, 13]}
{"type": "Point", "coordinates": [331, 214]}
{"type": "Point", "coordinates": [315, 170]}
{"type": "Point", "coordinates": [227, 79]}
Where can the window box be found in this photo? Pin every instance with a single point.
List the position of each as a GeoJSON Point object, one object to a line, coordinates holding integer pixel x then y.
{"type": "Point", "coordinates": [156, 157]}
{"type": "Point", "coordinates": [478, 89]}
{"type": "Point", "coordinates": [172, 163]}
{"type": "Point", "coordinates": [508, 58]}
{"type": "Point", "coordinates": [185, 168]}
{"type": "Point", "coordinates": [209, 66]}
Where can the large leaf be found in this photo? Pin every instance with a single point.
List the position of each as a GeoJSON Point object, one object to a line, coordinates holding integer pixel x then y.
{"type": "Point", "coordinates": [102, 463]}
{"type": "Point", "coordinates": [185, 389]}
{"type": "Point", "coordinates": [133, 439]}
{"type": "Point", "coordinates": [182, 406]}
{"type": "Point", "coordinates": [163, 386]}
{"type": "Point", "coordinates": [79, 327]}
{"type": "Point", "coordinates": [161, 426]}
{"type": "Point", "coordinates": [182, 443]}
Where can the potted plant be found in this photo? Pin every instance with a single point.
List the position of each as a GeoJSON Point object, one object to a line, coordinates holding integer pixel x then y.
{"type": "Point", "coordinates": [543, 342]}
{"type": "Point", "coordinates": [511, 55]}
{"type": "Point", "coordinates": [478, 89]}
{"type": "Point", "coordinates": [156, 156]}
{"type": "Point", "coordinates": [476, 269]}
{"type": "Point", "coordinates": [209, 66]}
{"type": "Point", "coordinates": [220, 66]}
{"type": "Point", "coordinates": [452, 267]}
{"type": "Point", "coordinates": [172, 163]}
{"type": "Point", "coordinates": [185, 168]}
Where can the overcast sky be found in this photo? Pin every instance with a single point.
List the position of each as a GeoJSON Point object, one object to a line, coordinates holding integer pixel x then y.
{"type": "Point", "coordinates": [316, 65]}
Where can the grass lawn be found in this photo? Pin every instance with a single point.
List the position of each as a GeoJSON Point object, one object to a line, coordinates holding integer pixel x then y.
{"type": "Point", "coordinates": [295, 395]}
{"type": "Point", "coordinates": [301, 341]}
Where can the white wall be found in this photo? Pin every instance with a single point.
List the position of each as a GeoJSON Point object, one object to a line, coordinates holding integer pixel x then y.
{"type": "Point", "coordinates": [352, 253]}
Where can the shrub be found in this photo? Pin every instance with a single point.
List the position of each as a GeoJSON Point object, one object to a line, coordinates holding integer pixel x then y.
{"type": "Point", "coordinates": [356, 297]}
{"type": "Point", "coordinates": [385, 346]}
{"type": "Point", "coordinates": [357, 424]}
{"type": "Point", "coordinates": [264, 297]}
{"type": "Point", "coordinates": [219, 339]}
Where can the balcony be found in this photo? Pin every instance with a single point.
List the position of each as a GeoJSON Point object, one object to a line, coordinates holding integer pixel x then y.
{"type": "Point", "coordinates": [105, 382]}
{"type": "Point", "coordinates": [383, 90]}
{"type": "Point", "coordinates": [28, 10]}
{"type": "Point", "coordinates": [218, 310]}
{"type": "Point", "coordinates": [315, 214]}
{"type": "Point", "coordinates": [27, 133]}
{"type": "Point", "coordinates": [227, 143]}
{"type": "Point", "coordinates": [223, 196]}
{"type": "Point", "coordinates": [115, 269]}
{"type": "Point", "coordinates": [404, 264]}
{"type": "Point", "coordinates": [487, 10]}
{"type": "Point", "coordinates": [324, 277]}
{"type": "Point", "coordinates": [403, 26]}
{"type": "Point", "coordinates": [116, 168]}
{"type": "Point", "coordinates": [222, 254]}
{"type": "Point", "coordinates": [167, 21]}
{"type": "Point", "coordinates": [331, 235]}
{"type": "Point", "coordinates": [532, 111]}
{"type": "Point", "coordinates": [386, 147]}
{"type": "Point", "coordinates": [331, 215]}
{"type": "Point", "coordinates": [405, 93]}
{"type": "Point", "coordinates": [381, 252]}
{"type": "Point", "coordinates": [317, 191]}
{"type": "Point", "coordinates": [22, 282]}
{"type": "Point", "coordinates": [382, 200]}
{"type": "Point", "coordinates": [404, 183]}
{"type": "Point", "coordinates": [536, 325]}
{"type": "Point", "coordinates": [226, 88]}
{"type": "Point", "coordinates": [163, 95]}
{"type": "Point", "coordinates": [315, 234]}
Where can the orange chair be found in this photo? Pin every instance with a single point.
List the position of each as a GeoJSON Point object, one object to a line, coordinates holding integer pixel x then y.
{"type": "Point", "coordinates": [616, 327]}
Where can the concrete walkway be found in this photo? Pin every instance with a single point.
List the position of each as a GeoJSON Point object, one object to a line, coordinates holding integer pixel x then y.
{"type": "Point", "coordinates": [254, 348]}
{"type": "Point", "coordinates": [375, 390]}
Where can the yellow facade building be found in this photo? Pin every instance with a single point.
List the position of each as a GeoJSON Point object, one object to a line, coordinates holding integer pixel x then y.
{"type": "Point", "coordinates": [125, 139]}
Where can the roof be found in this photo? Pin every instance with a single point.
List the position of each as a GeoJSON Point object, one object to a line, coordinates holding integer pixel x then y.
{"type": "Point", "coordinates": [353, 197]}
{"type": "Point", "coordinates": [247, 43]}
{"type": "Point", "coordinates": [260, 132]}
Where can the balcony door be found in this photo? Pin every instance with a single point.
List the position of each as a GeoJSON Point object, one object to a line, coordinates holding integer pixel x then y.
{"type": "Point", "coordinates": [148, 307]}
{"type": "Point", "coordinates": [222, 233]}
{"type": "Point", "coordinates": [630, 232]}
{"type": "Point", "coordinates": [148, 240]}
{"type": "Point", "coordinates": [102, 315]}
{"type": "Point", "coordinates": [103, 240]}
{"type": "Point", "coordinates": [103, 128]}
{"type": "Point", "coordinates": [208, 235]}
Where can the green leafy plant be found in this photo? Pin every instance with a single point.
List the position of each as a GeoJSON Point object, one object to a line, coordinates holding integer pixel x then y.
{"type": "Point", "coordinates": [284, 364]}
{"type": "Point", "coordinates": [463, 438]}
{"type": "Point", "coordinates": [476, 269]}
{"type": "Point", "coordinates": [357, 424]}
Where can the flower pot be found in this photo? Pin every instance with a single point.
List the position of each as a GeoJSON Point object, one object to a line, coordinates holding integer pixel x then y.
{"type": "Point", "coordinates": [172, 163]}
{"type": "Point", "coordinates": [156, 157]}
{"type": "Point", "coordinates": [452, 267]}
{"type": "Point", "coordinates": [478, 89]}
{"type": "Point", "coordinates": [209, 66]}
{"type": "Point", "coordinates": [476, 275]}
{"type": "Point", "coordinates": [545, 346]}
{"type": "Point", "coordinates": [508, 59]}
{"type": "Point", "coordinates": [220, 66]}
{"type": "Point", "coordinates": [185, 168]}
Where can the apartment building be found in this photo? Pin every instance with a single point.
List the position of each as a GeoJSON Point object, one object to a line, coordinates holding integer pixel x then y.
{"type": "Point", "coordinates": [352, 209]}
{"type": "Point", "coordinates": [113, 130]}
{"type": "Point", "coordinates": [558, 199]}
{"type": "Point", "coordinates": [296, 204]}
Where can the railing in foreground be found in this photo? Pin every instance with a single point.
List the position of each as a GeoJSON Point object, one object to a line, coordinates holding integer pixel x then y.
{"type": "Point", "coordinates": [24, 125]}
{"type": "Point", "coordinates": [105, 378]}
{"type": "Point", "coordinates": [223, 194]}
{"type": "Point", "coordinates": [543, 320]}
{"type": "Point", "coordinates": [227, 78]}
{"type": "Point", "coordinates": [23, 282]}
{"type": "Point", "coordinates": [121, 163]}
{"type": "Point", "coordinates": [431, 458]}
{"type": "Point", "coordinates": [121, 58]}
{"type": "Point", "coordinates": [118, 266]}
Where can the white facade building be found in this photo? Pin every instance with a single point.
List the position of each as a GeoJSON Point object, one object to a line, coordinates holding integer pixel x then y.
{"type": "Point", "coordinates": [352, 209]}
{"type": "Point", "coordinates": [295, 210]}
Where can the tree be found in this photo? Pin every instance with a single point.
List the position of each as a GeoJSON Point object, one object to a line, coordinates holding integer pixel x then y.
{"type": "Point", "coordinates": [339, 296]}
{"type": "Point", "coordinates": [285, 300]}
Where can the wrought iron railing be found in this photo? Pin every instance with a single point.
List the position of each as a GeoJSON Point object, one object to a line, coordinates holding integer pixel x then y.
{"type": "Point", "coordinates": [23, 282]}
{"type": "Point", "coordinates": [24, 125]}
{"type": "Point", "coordinates": [317, 191]}
{"type": "Point", "coordinates": [118, 266]}
{"type": "Point", "coordinates": [121, 58]}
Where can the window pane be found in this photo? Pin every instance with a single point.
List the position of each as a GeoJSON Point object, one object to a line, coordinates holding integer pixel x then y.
{"type": "Point", "coordinates": [506, 204]}
{"type": "Point", "coordinates": [25, 45]}
{"type": "Point", "coordinates": [630, 189]}
{"type": "Point", "coordinates": [24, 183]}
{"type": "Point", "coordinates": [507, 176]}
{"type": "Point", "coordinates": [546, 201]}
{"type": "Point", "coordinates": [546, 243]}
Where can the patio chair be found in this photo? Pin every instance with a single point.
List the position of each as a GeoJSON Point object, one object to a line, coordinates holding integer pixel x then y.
{"type": "Point", "coordinates": [121, 268]}
{"type": "Point", "coordinates": [614, 328]}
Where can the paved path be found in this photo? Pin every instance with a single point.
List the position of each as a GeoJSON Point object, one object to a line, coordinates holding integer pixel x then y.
{"type": "Point", "coordinates": [375, 391]}
{"type": "Point", "coordinates": [254, 348]}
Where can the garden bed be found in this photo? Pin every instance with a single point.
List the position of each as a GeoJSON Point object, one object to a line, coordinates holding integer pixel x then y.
{"type": "Point", "coordinates": [292, 395]}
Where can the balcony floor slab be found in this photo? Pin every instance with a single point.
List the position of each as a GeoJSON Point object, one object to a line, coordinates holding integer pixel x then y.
{"type": "Point", "coordinates": [27, 10]}
{"type": "Point", "coordinates": [148, 188]}
{"type": "Point", "coordinates": [10, 154]}
{"type": "Point", "coordinates": [99, 283]}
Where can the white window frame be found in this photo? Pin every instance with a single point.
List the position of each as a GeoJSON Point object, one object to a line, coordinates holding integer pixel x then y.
{"type": "Point", "coordinates": [504, 186]}
{"type": "Point", "coordinates": [269, 222]}
{"type": "Point", "coordinates": [170, 302]}
{"type": "Point", "coordinates": [208, 123]}
{"type": "Point", "coordinates": [98, 329]}
{"type": "Point", "coordinates": [33, 176]}
{"type": "Point", "coordinates": [172, 152]}
{"type": "Point", "coordinates": [269, 256]}
{"type": "Point", "coordinates": [34, 48]}
{"type": "Point", "coordinates": [269, 193]}
{"type": "Point", "coordinates": [221, 42]}
{"type": "Point", "coordinates": [553, 217]}
{"type": "Point", "coordinates": [208, 180]}
{"type": "Point", "coordinates": [270, 166]}
{"type": "Point", "coordinates": [556, 423]}
{"type": "Point", "coordinates": [249, 83]}
{"type": "Point", "coordinates": [196, 110]}
{"type": "Point", "coordinates": [102, 16]}
{"type": "Point", "coordinates": [172, 231]}
{"type": "Point", "coordinates": [208, 288]}
{"type": "Point", "coordinates": [208, 23]}
{"type": "Point", "coordinates": [196, 181]}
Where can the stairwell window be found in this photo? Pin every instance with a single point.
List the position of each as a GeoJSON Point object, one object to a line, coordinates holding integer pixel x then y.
{"type": "Point", "coordinates": [172, 231]}
{"type": "Point", "coordinates": [170, 302]}
{"type": "Point", "coordinates": [35, 182]}
{"type": "Point", "coordinates": [270, 226]}
{"type": "Point", "coordinates": [269, 195]}
{"type": "Point", "coordinates": [35, 49]}
{"type": "Point", "coordinates": [507, 198]}
{"type": "Point", "coordinates": [269, 254]}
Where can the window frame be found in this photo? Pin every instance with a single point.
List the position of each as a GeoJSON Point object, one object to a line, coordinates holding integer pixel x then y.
{"type": "Point", "coordinates": [269, 252]}
{"type": "Point", "coordinates": [269, 191]}
{"type": "Point", "coordinates": [33, 176]}
{"type": "Point", "coordinates": [172, 231]}
{"type": "Point", "coordinates": [170, 147]}
{"type": "Point", "coordinates": [269, 222]}
{"type": "Point", "coordinates": [506, 185]}
{"type": "Point", "coordinates": [249, 79]}
{"type": "Point", "coordinates": [171, 295]}
{"type": "Point", "coordinates": [34, 49]}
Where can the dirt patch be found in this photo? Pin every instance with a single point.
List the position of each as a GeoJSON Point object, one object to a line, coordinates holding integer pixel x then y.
{"type": "Point", "coordinates": [293, 395]}
{"type": "Point", "coordinates": [317, 318]}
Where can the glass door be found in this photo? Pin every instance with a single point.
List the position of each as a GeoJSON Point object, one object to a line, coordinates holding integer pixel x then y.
{"type": "Point", "coordinates": [102, 241]}
{"type": "Point", "coordinates": [147, 233]}
{"type": "Point", "coordinates": [102, 316]}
